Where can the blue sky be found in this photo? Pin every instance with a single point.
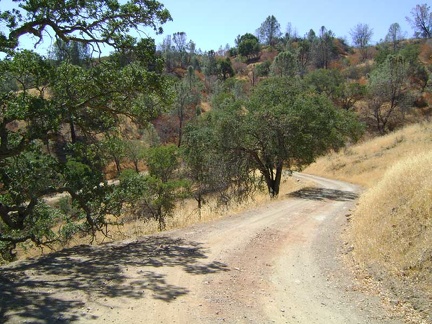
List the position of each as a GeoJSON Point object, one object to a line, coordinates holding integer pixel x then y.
{"type": "Point", "coordinates": [211, 24]}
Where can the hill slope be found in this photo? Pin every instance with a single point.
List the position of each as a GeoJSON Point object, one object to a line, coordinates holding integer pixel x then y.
{"type": "Point", "coordinates": [391, 232]}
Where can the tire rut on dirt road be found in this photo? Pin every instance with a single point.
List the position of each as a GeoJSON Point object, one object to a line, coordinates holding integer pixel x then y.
{"type": "Point", "coordinates": [279, 263]}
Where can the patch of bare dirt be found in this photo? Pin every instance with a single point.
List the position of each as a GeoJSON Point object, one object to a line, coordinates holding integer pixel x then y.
{"type": "Point", "coordinates": [279, 263]}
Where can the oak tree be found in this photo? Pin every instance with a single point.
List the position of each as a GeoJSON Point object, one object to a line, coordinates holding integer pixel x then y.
{"type": "Point", "coordinates": [388, 95]}
{"type": "Point", "coordinates": [50, 128]}
{"type": "Point", "coordinates": [248, 46]}
{"type": "Point", "coordinates": [282, 126]}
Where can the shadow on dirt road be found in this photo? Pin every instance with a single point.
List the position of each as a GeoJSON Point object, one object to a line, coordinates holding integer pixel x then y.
{"type": "Point", "coordinates": [50, 289]}
{"type": "Point", "coordinates": [311, 193]}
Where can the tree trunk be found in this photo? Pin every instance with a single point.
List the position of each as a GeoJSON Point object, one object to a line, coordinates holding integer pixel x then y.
{"type": "Point", "coordinates": [117, 164]}
{"type": "Point", "coordinates": [273, 179]}
{"type": "Point", "coordinates": [199, 200]}
{"type": "Point", "coordinates": [72, 130]}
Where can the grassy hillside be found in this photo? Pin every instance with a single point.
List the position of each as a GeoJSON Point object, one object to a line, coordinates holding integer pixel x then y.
{"type": "Point", "coordinates": [391, 229]}
{"type": "Point", "coordinates": [366, 162]}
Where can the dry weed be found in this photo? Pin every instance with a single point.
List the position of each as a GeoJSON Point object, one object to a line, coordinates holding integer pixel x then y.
{"type": "Point", "coordinates": [393, 222]}
{"type": "Point", "coordinates": [365, 163]}
{"type": "Point", "coordinates": [392, 231]}
{"type": "Point", "coordinates": [186, 214]}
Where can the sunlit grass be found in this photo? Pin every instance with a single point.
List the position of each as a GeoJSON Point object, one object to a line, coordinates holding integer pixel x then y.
{"type": "Point", "coordinates": [391, 228]}
{"type": "Point", "coordinates": [365, 163]}
{"type": "Point", "coordinates": [186, 214]}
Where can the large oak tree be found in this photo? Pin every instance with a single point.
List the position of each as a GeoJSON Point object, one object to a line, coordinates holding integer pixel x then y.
{"type": "Point", "coordinates": [282, 126]}
{"type": "Point", "coordinates": [50, 129]}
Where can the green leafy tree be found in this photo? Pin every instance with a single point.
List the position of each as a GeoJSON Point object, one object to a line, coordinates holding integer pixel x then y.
{"type": "Point", "coordinates": [142, 52]}
{"type": "Point", "coordinates": [188, 97]}
{"type": "Point", "coordinates": [209, 63]}
{"type": "Point", "coordinates": [383, 51]}
{"type": "Point", "coordinates": [154, 196]}
{"type": "Point", "coordinates": [228, 92]}
{"type": "Point", "coordinates": [209, 168]}
{"type": "Point", "coordinates": [248, 46]}
{"type": "Point", "coordinates": [304, 55]}
{"type": "Point", "coordinates": [225, 68]}
{"type": "Point", "coordinates": [332, 84]}
{"type": "Point", "coordinates": [179, 41]}
{"type": "Point", "coordinates": [167, 51]}
{"type": "Point", "coordinates": [388, 94]}
{"type": "Point", "coordinates": [269, 31]}
{"type": "Point", "coordinates": [115, 150]}
{"type": "Point", "coordinates": [50, 128]}
{"type": "Point", "coordinates": [135, 152]}
{"type": "Point", "coordinates": [324, 81]}
{"type": "Point", "coordinates": [348, 93]}
{"type": "Point", "coordinates": [201, 162]}
{"type": "Point", "coordinates": [394, 36]}
{"type": "Point", "coordinates": [323, 47]}
{"type": "Point", "coordinates": [417, 71]}
{"type": "Point", "coordinates": [285, 64]}
{"type": "Point", "coordinates": [163, 162]}
{"type": "Point", "coordinates": [263, 69]}
{"type": "Point", "coordinates": [283, 127]}
{"type": "Point", "coordinates": [93, 22]}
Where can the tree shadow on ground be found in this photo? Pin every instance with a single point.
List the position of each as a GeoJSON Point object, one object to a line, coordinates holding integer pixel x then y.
{"type": "Point", "coordinates": [311, 193]}
{"type": "Point", "coordinates": [35, 290]}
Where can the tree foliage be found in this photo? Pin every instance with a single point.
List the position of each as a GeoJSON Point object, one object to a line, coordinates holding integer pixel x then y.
{"type": "Point", "coordinates": [323, 48]}
{"type": "Point", "coordinates": [225, 68]}
{"type": "Point", "coordinates": [74, 52]}
{"type": "Point", "coordinates": [331, 83]}
{"type": "Point", "coordinates": [93, 22]}
{"type": "Point", "coordinates": [154, 196]}
{"type": "Point", "coordinates": [208, 166]}
{"type": "Point", "coordinates": [248, 45]}
{"type": "Point", "coordinates": [281, 126]}
{"type": "Point", "coordinates": [387, 90]}
{"type": "Point", "coordinates": [284, 65]}
{"type": "Point", "coordinates": [269, 31]}
{"type": "Point", "coordinates": [394, 36]}
{"type": "Point", "coordinates": [50, 130]}
{"type": "Point", "coordinates": [286, 127]}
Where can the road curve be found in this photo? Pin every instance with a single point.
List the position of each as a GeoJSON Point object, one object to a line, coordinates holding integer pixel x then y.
{"type": "Point", "coordinates": [279, 263]}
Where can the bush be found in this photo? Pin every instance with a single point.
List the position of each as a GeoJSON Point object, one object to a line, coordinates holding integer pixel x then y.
{"type": "Point", "coordinates": [263, 69]}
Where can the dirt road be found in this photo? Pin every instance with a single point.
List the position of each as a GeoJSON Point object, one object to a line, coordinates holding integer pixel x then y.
{"type": "Point", "coordinates": [279, 263]}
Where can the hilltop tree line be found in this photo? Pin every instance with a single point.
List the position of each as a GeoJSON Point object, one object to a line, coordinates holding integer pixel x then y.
{"type": "Point", "coordinates": [170, 122]}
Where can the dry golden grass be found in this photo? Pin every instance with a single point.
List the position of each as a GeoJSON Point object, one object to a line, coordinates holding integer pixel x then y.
{"type": "Point", "coordinates": [365, 163]}
{"type": "Point", "coordinates": [187, 213]}
{"type": "Point", "coordinates": [391, 233]}
{"type": "Point", "coordinates": [391, 228]}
